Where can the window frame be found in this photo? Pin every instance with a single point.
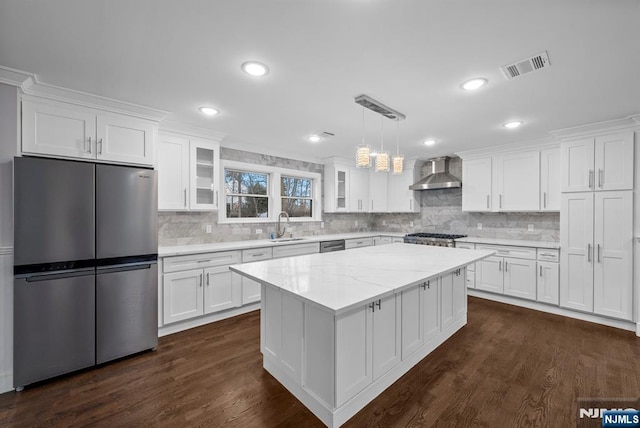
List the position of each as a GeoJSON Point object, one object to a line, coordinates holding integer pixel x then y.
{"type": "Point", "coordinates": [274, 192]}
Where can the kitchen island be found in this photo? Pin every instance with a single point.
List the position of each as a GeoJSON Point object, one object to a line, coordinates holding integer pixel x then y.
{"type": "Point", "coordinates": [338, 328]}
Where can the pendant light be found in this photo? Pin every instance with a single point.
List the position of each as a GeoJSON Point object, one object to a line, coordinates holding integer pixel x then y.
{"type": "Point", "coordinates": [363, 151]}
{"type": "Point", "coordinates": [382, 159]}
{"type": "Point", "coordinates": [397, 161]}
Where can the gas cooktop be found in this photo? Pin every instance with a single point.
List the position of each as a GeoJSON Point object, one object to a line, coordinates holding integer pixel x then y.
{"type": "Point", "coordinates": [437, 239]}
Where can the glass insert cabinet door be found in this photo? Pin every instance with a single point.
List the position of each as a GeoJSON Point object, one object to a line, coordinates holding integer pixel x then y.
{"type": "Point", "coordinates": [205, 158]}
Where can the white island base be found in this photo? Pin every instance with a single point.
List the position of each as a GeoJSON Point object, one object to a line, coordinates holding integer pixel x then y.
{"type": "Point", "coordinates": [335, 363]}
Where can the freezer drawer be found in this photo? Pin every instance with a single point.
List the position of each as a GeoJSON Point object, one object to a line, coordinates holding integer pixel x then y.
{"type": "Point", "coordinates": [126, 311]}
{"type": "Point", "coordinates": [54, 326]}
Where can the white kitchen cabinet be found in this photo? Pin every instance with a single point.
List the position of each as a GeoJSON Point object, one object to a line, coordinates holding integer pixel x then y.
{"type": "Point", "coordinates": [357, 243]}
{"type": "Point", "coordinates": [598, 163]}
{"type": "Point", "coordinates": [550, 179]}
{"type": "Point", "coordinates": [517, 181]}
{"type": "Point", "coordinates": [199, 284]}
{"type": "Point", "coordinates": [367, 346]}
{"type": "Point", "coordinates": [358, 190]}
{"type": "Point", "coordinates": [596, 231]}
{"type": "Point", "coordinates": [222, 289]}
{"type": "Point", "coordinates": [188, 173]}
{"type": "Point", "coordinates": [471, 269]}
{"type": "Point", "coordinates": [378, 192]}
{"type": "Point", "coordinates": [296, 249]}
{"type": "Point", "coordinates": [72, 131]}
{"type": "Point", "coordinates": [512, 271]}
{"type": "Point", "coordinates": [336, 188]}
{"type": "Point", "coordinates": [183, 296]}
{"type": "Point", "coordinates": [477, 184]}
{"type": "Point", "coordinates": [421, 315]}
{"type": "Point", "coordinates": [251, 288]}
{"type": "Point", "coordinates": [401, 198]}
{"type": "Point", "coordinates": [548, 282]}
{"type": "Point", "coordinates": [173, 173]}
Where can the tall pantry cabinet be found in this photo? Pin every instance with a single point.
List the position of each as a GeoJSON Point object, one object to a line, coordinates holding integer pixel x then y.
{"type": "Point", "coordinates": [596, 225]}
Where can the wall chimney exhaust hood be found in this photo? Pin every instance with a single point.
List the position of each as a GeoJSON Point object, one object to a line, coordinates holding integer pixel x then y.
{"type": "Point", "coordinates": [439, 177]}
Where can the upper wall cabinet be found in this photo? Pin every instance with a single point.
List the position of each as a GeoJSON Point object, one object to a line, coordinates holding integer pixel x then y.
{"type": "Point", "coordinates": [188, 171]}
{"type": "Point", "coordinates": [550, 180]}
{"type": "Point", "coordinates": [401, 198]}
{"type": "Point", "coordinates": [598, 163]}
{"type": "Point", "coordinates": [67, 130]}
{"type": "Point", "coordinates": [518, 182]}
{"type": "Point", "coordinates": [336, 189]}
{"type": "Point", "coordinates": [476, 184]}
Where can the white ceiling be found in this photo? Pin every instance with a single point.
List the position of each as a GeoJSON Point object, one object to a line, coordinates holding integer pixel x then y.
{"type": "Point", "coordinates": [411, 55]}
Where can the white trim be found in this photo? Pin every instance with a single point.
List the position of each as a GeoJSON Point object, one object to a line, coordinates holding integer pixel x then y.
{"type": "Point", "coordinates": [6, 251]}
{"type": "Point", "coordinates": [13, 77]}
{"type": "Point", "coordinates": [529, 145]}
{"type": "Point", "coordinates": [190, 131]}
{"type": "Point", "coordinates": [207, 319]}
{"type": "Point", "coordinates": [598, 128]}
{"type": "Point", "coordinates": [274, 192]}
{"type": "Point", "coordinates": [597, 319]}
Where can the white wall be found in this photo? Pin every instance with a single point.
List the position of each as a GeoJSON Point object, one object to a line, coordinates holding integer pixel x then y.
{"type": "Point", "coordinates": [8, 149]}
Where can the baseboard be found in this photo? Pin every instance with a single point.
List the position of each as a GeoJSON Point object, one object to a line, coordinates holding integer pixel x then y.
{"type": "Point", "coordinates": [206, 319]}
{"type": "Point", "coordinates": [597, 319]}
{"type": "Point", "coordinates": [6, 382]}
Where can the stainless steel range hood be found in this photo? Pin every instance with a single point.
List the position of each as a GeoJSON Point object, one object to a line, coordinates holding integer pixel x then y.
{"type": "Point", "coordinates": [439, 178]}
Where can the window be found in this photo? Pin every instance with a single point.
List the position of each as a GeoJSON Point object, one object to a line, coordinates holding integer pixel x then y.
{"type": "Point", "coordinates": [256, 193]}
{"type": "Point", "coordinates": [247, 194]}
{"type": "Point", "coordinates": [296, 196]}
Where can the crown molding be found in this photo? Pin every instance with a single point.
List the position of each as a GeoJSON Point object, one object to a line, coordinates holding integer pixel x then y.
{"type": "Point", "coordinates": [598, 128]}
{"type": "Point", "coordinates": [534, 144]}
{"type": "Point", "coordinates": [190, 130]}
{"type": "Point", "coordinates": [13, 77]}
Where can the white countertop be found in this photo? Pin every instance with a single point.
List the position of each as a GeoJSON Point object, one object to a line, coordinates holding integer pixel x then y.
{"type": "Point", "coordinates": [180, 250]}
{"type": "Point", "coordinates": [512, 242]}
{"type": "Point", "coordinates": [341, 280]}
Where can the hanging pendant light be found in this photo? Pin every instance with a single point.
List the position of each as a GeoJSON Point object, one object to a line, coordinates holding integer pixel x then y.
{"type": "Point", "coordinates": [382, 159]}
{"type": "Point", "coordinates": [397, 162]}
{"type": "Point", "coordinates": [363, 151]}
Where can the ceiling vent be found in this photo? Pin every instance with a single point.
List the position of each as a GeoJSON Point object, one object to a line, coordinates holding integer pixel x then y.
{"type": "Point", "coordinates": [378, 107]}
{"type": "Point", "coordinates": [536, 62]}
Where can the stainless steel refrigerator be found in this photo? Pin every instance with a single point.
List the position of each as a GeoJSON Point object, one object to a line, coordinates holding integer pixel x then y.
{"type": "Point", "coordinates": [85, 265]}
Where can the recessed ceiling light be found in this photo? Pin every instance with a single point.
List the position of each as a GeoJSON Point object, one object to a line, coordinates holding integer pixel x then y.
{"type": "Point", "coordinates": [429, 142]}
{"type": "Point", "coordinates": [513, 125]}
{"type": "Point", "coordinates": [313, 138]}
{"type": "Point", "coordinates": [254, 68]}
{"type": "Point", "coordinates": [473, 84]}
{"type": "Point", "coordinates": [209, 111]}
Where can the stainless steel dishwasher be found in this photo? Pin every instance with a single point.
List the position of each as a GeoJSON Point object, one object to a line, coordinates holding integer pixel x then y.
{"type": "Point", "coordinates": [329, 246]}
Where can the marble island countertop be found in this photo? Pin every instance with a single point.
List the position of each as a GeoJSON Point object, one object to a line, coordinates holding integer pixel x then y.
{"type": "Point", "coordinates": [260, 243]}
{"type": "Point", "coordinates": [341, 280]}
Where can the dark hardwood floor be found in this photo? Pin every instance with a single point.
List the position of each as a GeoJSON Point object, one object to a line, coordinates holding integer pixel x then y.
{"type": "Point", "coordinates": [508, 366]}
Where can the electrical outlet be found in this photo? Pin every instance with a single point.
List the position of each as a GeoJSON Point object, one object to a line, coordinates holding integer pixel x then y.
{"type": "Point", "coordinates": [322, 225]}
{"type": "Point", "coordinates": [384, 222]}
{"type": "Point", "coordinates": [411, 224]}
{"type": "Point", "coordinates": [356, 223]}
{"type": "Point", "coordinates": [207, 228]}
{"type": "Point", "coordinates": [530, 228]}
{"type": "Point", "coordinates": [479, 226]}
{"type": "Point", "coordinates": [258, 231]}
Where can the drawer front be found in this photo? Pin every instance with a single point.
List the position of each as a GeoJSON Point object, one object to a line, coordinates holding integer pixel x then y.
{"type": "Point", "coordinates": [466, 245]}
{"type": "Point", "coordinates": [296, 250]}
{"type": "Point", "coordinates": [356, 243]}
{"type": "Point", "coordinates": [548, 255]}
{"type": "Point", "coordinates": [256, 254]}
{"type": "Point", "coordinates": [197, 261]}
{"type": "Point", "coordinates": [506, 251]}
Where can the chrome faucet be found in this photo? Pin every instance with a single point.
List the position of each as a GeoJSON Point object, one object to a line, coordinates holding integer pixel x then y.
{"type": "Point", "coordinates": [280, 234]}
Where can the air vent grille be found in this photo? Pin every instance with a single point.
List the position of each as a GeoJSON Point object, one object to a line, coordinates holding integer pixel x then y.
{"type": "Point", "coordinates": [378, 107]}
{"type": "Point", "coordinates": [536, 62]}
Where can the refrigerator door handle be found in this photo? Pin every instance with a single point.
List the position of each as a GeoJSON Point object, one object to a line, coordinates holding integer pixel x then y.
{"type": "Point", "coordinates": [124, 268]}
{"type": "Point", "coordinates": [61, 275]}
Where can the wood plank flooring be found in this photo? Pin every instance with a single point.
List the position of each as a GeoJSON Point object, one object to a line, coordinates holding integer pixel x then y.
{"type": "Point", "coordinates": [508, 366]}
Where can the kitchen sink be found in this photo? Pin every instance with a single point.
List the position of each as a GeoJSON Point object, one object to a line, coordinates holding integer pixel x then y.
{"type": "Point", "coordinates": [286, 239]}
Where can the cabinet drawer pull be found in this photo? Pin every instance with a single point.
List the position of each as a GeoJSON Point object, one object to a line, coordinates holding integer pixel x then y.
{"type": "Point", "coordinates": [258, 255]}
{"type": "Point", "coordinates": [99, 146]}
{"type": "Point", "coordinates": [591, 180]}
{"type": "Point", "coordinates": [487, 201]}
{"type": "Point", "coordinates": [500, 202]}
{"type": "Point", "coordinates": [89, 140]}
{"type": "Point", "coordinates": [200, 280]}
{"type": "Point", "coordinates": [207, 279]}
{"type": "Point", "coordinates": [600, 178]}
{"type": "Point", "coordinates": [540, 271]}
{"type": "Point", "coordinates": [185, 197]}
{"type": "Point", "coordinates": [598, 253]}
{"type": "Point", "coordinates": [379, 303]}
{"type": "Point", "coordinates": [372, 306]}
{"type": "Point", "coordinates": [544, 199]}
{"type": "Point", "coordinates": [506, 266]}
{"type": "Point", "coordinates": [500, 265]}
{"type": "Point", "coordinates": [589, 253]}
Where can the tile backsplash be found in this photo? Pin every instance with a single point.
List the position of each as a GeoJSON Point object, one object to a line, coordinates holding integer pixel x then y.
{"type": "Point", "coordinates": [440, 211]}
